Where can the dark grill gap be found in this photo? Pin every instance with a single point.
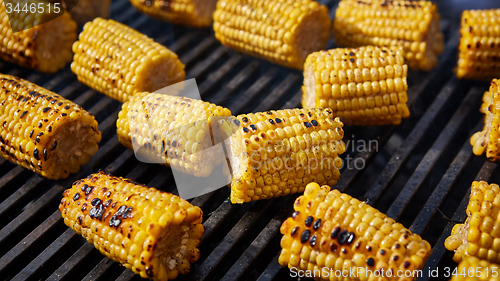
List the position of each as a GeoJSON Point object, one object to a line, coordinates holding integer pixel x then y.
{"type": "Point", "coordinates": [418, 164]}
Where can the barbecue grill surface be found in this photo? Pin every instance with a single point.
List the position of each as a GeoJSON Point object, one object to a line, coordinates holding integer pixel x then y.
{"type": "Point", "coordinates": [418, 173]}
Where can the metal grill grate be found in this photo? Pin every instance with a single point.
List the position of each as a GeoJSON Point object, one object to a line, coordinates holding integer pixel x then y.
{"type": "Point", "coordinates": [410, 176]}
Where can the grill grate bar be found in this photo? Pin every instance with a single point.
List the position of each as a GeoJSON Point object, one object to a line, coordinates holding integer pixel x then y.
{"type": "Point", "coordinates": [278, 92]}
{"type": "Point", "coordinates": [216, 76]}
{"type": "Point", "coordinates": [72, 262]}
{"type": "Point", "coordinates": [224, 94]}
{"type": "Point", "coordinates": [98, 270]}
{"type": "Point", "coordinates": [204, 65]}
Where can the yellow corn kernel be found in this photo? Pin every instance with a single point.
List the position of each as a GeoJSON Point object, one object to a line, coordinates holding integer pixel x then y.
{"type": "Point", "coordinates": [119, 61]}
{"type": "Point", "coordinates": [472, 268]}
{"type": "Point", "coordinates": [283, 32]}
{"type": "Point", "coordinates": [364, 248]}
{"type": "Point", "coordinates": [102, 207]}
{"type": "Point", "coordinates": [414, 26]}
{"type": "Point", "coordinates": [43, 131]}
{"type": "Point", "coordinates": [377, 99]}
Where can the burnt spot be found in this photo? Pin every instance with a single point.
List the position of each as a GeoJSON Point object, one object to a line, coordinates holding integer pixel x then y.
{"type": "Point", "coordinates": [97, 212]}
{"type": "Point", "coordinates": [358, 245]}
{"type": "Point", "coordinates": [395, 258]}
{"type": "Point", "coordinates": [294, 230]}
{"type": "Point", "coordinates": [54, 145]}
{"type": "Point", "coordinates": [301, 115]}
{"type": "Point", "coordinates": [114, 221]}
{"type": "Point", "coordinates": [236, 122]}
{"type": "Point", "coordinates": [76, 196]}
{"type": "Point", "coordinates": [406, 264]}
{"type": "Point", "coordinates": [271, 121]}
{"type": "Point", "coordinates": [84, 207]}
{"type": "Point", "coordinates": [21, 149]}
{"type": "Point", "coordinates": [335, 233]}
{"type": "Point", "coordinates": [44, 110]}
{"type": "Point", "coordinates": [128, 213]}
{"type": "Point", "coordinates": [174, 143]}
{"type": "Point", "coordinates": [352, 60]}
{"type": "Point", "coordinates": [269, 113]}
{"type": "Point", "coordinates": [31, 133]}
{"type": "Point", "coordinates": [314, 123]}
{"type": "Point", "coordinates": [84, 187]}
{"type": "Point", "coordinates": [317, 224]}
{"type": "Point", "coordinates": [370, 262]}
{"type": "Point", "coordinates": [37, 138]}
{"type": "Point", "coordinates": [253, 127]}
{"type": "Point", "coordinates": [107, 203]}
{"type": "Point", "coordinates": [79, 219]}
{"type": "Point", "coordinates": [40, 124]}
{"type": "Point", "coordinates": [350, 238]}
{"type": "Point", "coordinates": [344, 251]}
{"type": "Point", "coordinates": [470, 28]}
{"type": "Point", "coordinates": [108, 194]}
{"type": "Point", "coordinates": [397, 245]}
{"type": "Point", "coordinates": [35, 154]}
{"type": "Point", "coordinates": [307, 124]}
{"type": "Point", "coordinates": [45, 154]}
{"type": "Point", "coordinates": [96, 201]}
{"type": "Point", "coordinates": [277, 120]}
{"type": "Point", "coordinates": [149, 271]}
{"type": "Point", "coordinates": [23, 114]}
{"type": "Point", "coordinates": [49, 129]}
{"type": "Point", "coordinates": [245, 119]}
{"type": "Point", "coordinates": [246, 130]}
{"type": "Point", "coordinates": [64, 114]}
{"type": "Point", "coordinates": [478, 44]}
{"type": "Point", "coordinates": [382, 252]}
{"type": "Point", "coordinates": [352, 54]}
{"type": "Point", "coordinates": [333, 247]}
{"type": "Point", "coordinates": [295, 214]}
{"type": "Point", "coordinates": [305, 236]}
{"type": "Point", "coordinates": [343, 235]}
{"type": "Point", "coordinates": [312, 242]}
{"type": "Point", "coordinates": [309, 221]}
{"type": "Point", "coordinates": [88, 190]}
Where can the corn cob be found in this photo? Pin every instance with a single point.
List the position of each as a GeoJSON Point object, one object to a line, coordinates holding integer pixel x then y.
{"type": "Point", "coordinates": [479, 53]}
{"type": "Point", "coordinates": [197, 13]}
{"type": "Point", "coordinates": [276, 153]}
{"type": "Point", "coordinates": [488, 138]}
{"type": "Point", "coordinates": [42, 131]}
{"type": "Point", "coordinates": [479, 236]}
{"type": "Point", "coordinates": [331, 231]}
{"type": "Point", "coordinates": [283, 32]}
{"type": "Point", "coordinates": [414, 25]}
{"type": "Point", "coordinates": [153, 233]}
{"type": "Point", "coordinates": [87, 10]}
{"type": "Point", "coordinates": [118, 61]}
{"type": "Point", "coordinates": [472, 268]}
{"type": "Point", "coordinates": [363, 86]}
{"type": "Point", "coordinates": [172, 130]}
{"type": "Point", "coordinates": [45, 47]}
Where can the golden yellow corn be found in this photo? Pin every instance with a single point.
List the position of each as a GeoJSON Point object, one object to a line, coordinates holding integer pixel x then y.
{"type": "Point", "coordinates": [276, 153]}
{"type": "Point", "coordinates": [331, 231]}
{"type": "Point", "coordinates": [479, 236]}
{"type": "Point", "coordinates": [363, 86]}
{"type": "Point", "coordinates": [42, 131]}
{"type": "Point", "coordinates": [173, 130]}
{"type": "Point", "coordinates": [479, 58]}
{"type": "Point", "coordinates": [414, 25]}
{"type": "Point", "coordinates": [119, 61]}
{"type": "Point", "coordinates": [45, 47]}
{"type": "Point", "coordinates": [283, 32]}
{"type": "Point", "coordinates": [87, 10]}
{"type": "Point", "coordinates": [488, 138]}
{"type": "Point", "coordinates": [472, 269]}
{"type": "Point", "coordinates": [153, 233]}
{"type": "Point", "coordinates": [197, 13]}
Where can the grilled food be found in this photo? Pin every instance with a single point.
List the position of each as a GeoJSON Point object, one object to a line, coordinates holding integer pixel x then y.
{"type": "Point", "coordinates": [153, 233]}
{"type": "Point", "coordinates": [414, 25]}
{"type": "Point", "coordinates": [87, 10]}
{"type": "Point", "coordinates": [197, 13]}
{"type": "Point", "coordinates": [363, 86]}
{"type": "Point", "coordinates": [474, 269]}
{"type": "Point", "coordinates": [283, 32]}
{"type": "Point", "coordinates": [479, 236]}
{"type": "Point", "coordinates": [172, 130]}
{"type": "Point", "coordinates": [479, 55]}
{"type": "Point", "coordinates": [488, 138]}
{"type": "Point", "coordinates": [332, 231]}
{"type": "Point", "coordinates": [119, 61]}
{"type": "Point", "coordinates": [45, 47]}
{"type": "Point", "coordinates": [42, 131]}
{"type": "Point", "coordinates": [276, 153]}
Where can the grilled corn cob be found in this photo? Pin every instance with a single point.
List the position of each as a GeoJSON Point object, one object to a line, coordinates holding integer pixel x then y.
{"type": "Point", "coordinates": [414, 25]}
{"type": "Point", "coordinates": [364, 86]}
{"type": "Point", "coordinates": [283, 32]}
{"type": "Point", "coordinates": [472, 268]}
{"type": "Point", "coordinates": [171, 130]}
{"type": "Point", "coordinates": [153, 233]}
{"type": "Point", "coordinates": [479, 236]}
{"type": "Point", "coordinates": [276, 153]}
{"type": "Point", "coordinates": [488, 138]}
{"type": "Point", "coordinates": [119, 61]}
{"type": "Point", "coordinates": [42, 131]}
{"type": "Point", "coordinates": [479, 55]}
{"type": "Point", "coordinates": [87, 10]}
{"type": "Point", "coordinates": [331, 231]}
{"type": "Point", "coordinates": [45, 47]}
{"type": "Point", "coordinates": [197, 13]}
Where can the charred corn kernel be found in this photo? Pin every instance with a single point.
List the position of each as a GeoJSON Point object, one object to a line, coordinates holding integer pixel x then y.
{"type": "Point", "coordinates": [172, 130]}
{"type": "Point", "coordinates": [111, 213]}
{"type": "Point", "coordinates": [33, 46]}
{"type": "Point", "coordinates": [371, 80]}
{"type": "Point", "coordinates": [283, 32]}
{"type": "Point", "coordinates": [479, 49]}
{"type": "Point", "coordinates": [472, 268]}
{"type": "Point", "coordinates": [197, 13]}
{"type": "Point", "coordinates": [350, 234]}
{"type": "Point", "coordinates": [282, 151]}
{"type": "Point", "coordinates": [119, 61]}
{"type": "Point", "coordinates": [478, 236]}
{"type": "Point", "coordinates": [488, 138]}
{"type": "Point", "coordinates": [413, 25]}
{"type": "Point", "coordinates": [42, 131]}
{"type": "Point", "coordinates": [87, 10]}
